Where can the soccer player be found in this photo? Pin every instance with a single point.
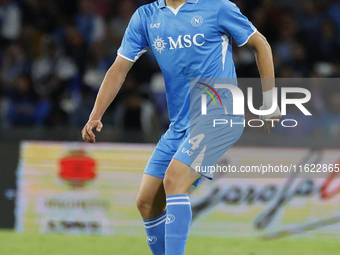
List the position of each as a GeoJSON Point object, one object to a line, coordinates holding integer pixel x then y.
{"type": "Point", "coordinates": [191, 40]}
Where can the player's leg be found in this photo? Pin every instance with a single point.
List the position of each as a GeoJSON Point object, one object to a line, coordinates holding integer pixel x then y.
{"type": "Point", "coordinates": [178, 179]}
{"type": "Point", "coordinates": [205, 146]}
{"type": "Point", "coordinates": [151, 198]}
{"type": "Point", "coordinates": [151, 205]}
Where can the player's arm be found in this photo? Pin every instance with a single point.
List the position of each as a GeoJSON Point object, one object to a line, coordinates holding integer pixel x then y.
{"type": "Point", "coordinates": [264, 59]}
{"type": "Point", "coordinates": [109, 88]}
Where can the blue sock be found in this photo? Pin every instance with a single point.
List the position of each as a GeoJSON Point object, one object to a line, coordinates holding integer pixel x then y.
{"type": "Point", "coordinates": [178, 219]}
{"type": "Point", "coordinates": [155, 229]}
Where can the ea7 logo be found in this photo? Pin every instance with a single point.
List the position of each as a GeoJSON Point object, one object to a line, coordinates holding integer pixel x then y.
{"type": "Point", "coordinates": [184, 150]}
{"type": "Point", "coordinates": [155, 25]}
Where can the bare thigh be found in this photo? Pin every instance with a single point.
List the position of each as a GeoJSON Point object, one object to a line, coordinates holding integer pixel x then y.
{"type": "Point", "coordinates": [179, 177]}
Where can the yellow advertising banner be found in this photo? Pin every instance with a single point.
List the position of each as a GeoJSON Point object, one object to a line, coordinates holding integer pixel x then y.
{"type": "Point", "coordinates": [80, 188]}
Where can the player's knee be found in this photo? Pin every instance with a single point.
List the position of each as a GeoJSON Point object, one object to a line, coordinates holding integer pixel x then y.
{"type": "Point", "coordinates": [167, 183]}
{"type": "Point", "coordinates": [171, 185]}
{"type": "Point", "coordinates": [148, 209]}
{"type": "Point", "coordinates": [143, 205]}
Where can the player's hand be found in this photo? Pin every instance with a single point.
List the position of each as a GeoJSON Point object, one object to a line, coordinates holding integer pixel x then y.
{"type": "Point", "coordinates": [271, 120]}
{"type": "Point", "coordinates": [87, 132]}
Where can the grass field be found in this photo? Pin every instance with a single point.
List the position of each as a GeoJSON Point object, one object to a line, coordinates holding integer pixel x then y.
{"type": "Point", "coordinates": [12, 243]}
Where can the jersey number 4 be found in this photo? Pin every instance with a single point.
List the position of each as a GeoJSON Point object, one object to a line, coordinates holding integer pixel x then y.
{"type": "Point", "coordinates": [195, 141]}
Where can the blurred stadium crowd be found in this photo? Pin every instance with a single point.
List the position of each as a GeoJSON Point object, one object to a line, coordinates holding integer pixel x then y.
{"type": "Point", "coordinates": [54, 55]}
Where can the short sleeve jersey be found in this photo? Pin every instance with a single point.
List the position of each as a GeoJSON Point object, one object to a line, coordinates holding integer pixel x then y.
{"type": "Point", "coordinates": [193, 41]}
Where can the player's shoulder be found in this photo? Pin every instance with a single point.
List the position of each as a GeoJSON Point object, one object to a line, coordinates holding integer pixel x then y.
{"type": "Point", "coordinates": [220, 3]}
{"type": "Point", "coordinates": [148, 9]}
{"type": "Point", "coordinates": [223, 7]}
{"type": "Point", "coordinates": [214, 2]}
{"type": "Point", "coordinates": [216, 5]}
{"type": "Point", "coordinates": [227, 4]}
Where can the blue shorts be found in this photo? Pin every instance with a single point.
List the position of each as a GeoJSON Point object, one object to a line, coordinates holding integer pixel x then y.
{"type": "Point", "coordinates": [207, 145]}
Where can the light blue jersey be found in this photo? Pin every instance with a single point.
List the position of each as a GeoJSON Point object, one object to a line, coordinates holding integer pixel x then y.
{"type": "Point", "coordinates": [194, 41]}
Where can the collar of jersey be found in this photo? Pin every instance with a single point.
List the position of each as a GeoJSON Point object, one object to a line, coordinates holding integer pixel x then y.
{"type": "Point", "coordinates": [162, 3]}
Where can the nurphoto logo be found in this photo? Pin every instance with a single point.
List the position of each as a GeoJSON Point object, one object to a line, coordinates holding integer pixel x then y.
{"type": "Point", "coordinates": [238, 104]}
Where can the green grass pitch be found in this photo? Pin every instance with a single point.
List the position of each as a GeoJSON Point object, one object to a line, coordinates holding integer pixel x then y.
{"type": "Point", "coordinates": [12, 243]}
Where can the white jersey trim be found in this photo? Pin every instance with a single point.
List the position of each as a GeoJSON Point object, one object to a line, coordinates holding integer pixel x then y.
{"type": "Point", "coordinates": [225, 45]}
{"type": "Point", "coordinates": [248, 38]}
{"type": "Point", "coordinates": [136, 58]}
{"type": "Point", "coordinates": [141, 53]}
{"type": "Point", "coordinates": [129, 59]}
